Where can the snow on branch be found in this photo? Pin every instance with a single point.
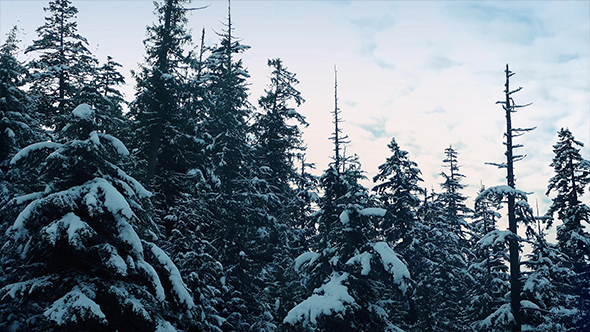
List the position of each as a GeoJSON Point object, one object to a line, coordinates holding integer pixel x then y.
{"type": "Point", "coordinates": [499, 192]}
{"type": "Point", "coordinates": [393, 265]}
{"type": "Point", "coordinates": [328, 299]}
{"type": "Point", "coordinates": [24, 152]}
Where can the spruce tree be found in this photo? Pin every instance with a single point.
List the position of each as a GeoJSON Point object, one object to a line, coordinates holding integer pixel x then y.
{"type": "Point", "coordinates": [488, 266]}
{"type": "Point", "coordinates": [398, 194]}
{"type": "Point", "coordinates": [572, 176]}
{"type": "Point", "coordinates": [438, 257]}
{"type": "Point", "coordinates": [354, 279]}
{"type": "Point", "coordinates": [19, 124]}
{"type": "Point", "coordinates": [85, 208]}
{"type": "Point", "coordinates": [64, 64]}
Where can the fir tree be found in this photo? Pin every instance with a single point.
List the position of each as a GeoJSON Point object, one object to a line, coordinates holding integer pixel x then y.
{"type": "Point", "coordinates": [87, 209]}
{"type": "Point", "coordinates": [64, 63]}
{"type": "Point", "coordinates": [455, 211]}
{"type": "Point", "coordinates": [398, 193]}
{"type": "Point", "coordinates": [572, 176]}
{"type": "Point", "coordinates": [488, 266]}
{"type": "Point", "coordinates": [354, 279]}
{"type": "Point", "coordinates": [19, 124]}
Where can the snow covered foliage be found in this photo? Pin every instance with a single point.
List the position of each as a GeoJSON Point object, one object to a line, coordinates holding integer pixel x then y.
{"type": "Point", "coordinates": [572, 176]}
{"type": "Point", "coordinates": [397, 189]}
{"type": "Point", "coordinates": [488, 299]}
{"type": "Point", "coordinates": [438, 257]}
{"type": "Point", "coordinates": [18, 124]}
{"type": "Point", "coordinates": [64, 64]}
{"type": "Point", "coordinates": [355, 281]}
{"type": "Point", "coordinates": [79, 254]}
{"type": "Point", "coordinates": [548, 294]}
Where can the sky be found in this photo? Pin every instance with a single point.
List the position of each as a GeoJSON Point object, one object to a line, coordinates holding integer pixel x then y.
{"type": "Point", "coordinates": [428, 73]}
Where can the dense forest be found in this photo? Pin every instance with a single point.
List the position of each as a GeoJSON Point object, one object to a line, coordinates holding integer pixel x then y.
{"type": "Point", "coordinates": [191, 209]}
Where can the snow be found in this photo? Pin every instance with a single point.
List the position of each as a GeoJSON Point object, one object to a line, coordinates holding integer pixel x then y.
{"type": "Point", "coordinates": [344, 218]}
{"type": "Point", "coordinates": [29, 197]}
{"type": "Point", "coordinates": [393, 265]}
{"type": "Point", "coordinates": [24, 152]}
{"type": "Point", "coordinates": [116, 261]}
{"type": "Point", "coordinates": [76, 228]}
{"type": "Point", "coordinates": [329, 298]}
{"type": "Point", "coordinates": [73, 305]}
{"type": "Point", "coordinates": [379, 212]}
{"type": "Point", "coordinates": [306, 258]}
{"type": "Point", "coordinates": [365, 261]}
{"type": "Point", "coordinates": [94, 138]}
{"type": "Point", "coordinates": [9, 133]}
{"type": "Point", "coordinates": [495, 237]}
{"type": "Point", "coordinates": [177, 285]}
{"type": "Point", "coordinates": [151, 272]}
{"type": "Point", "coordinates": [27, 287]}
{"type": "Point", "coordinates": [501, 317]}
{"type": "Point", "coordinates": [137, 187]}
{"type": "Point", "coordinates": [502, 191]}
{"type": "Point", "coordinates": [526, 304]}
{"type": "Point", "coordinates": [83, 111]}
{"type": "Point", "coordinates": [164, 326]}
{"type": "Point", "coordinates": [117, 144]}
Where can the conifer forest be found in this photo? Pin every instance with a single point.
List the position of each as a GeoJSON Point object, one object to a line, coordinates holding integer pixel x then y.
{"type": "Point", "coordinates": [192, 206]}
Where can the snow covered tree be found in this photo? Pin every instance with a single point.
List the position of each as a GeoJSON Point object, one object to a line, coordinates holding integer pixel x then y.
{"type": "Point", "coordinates": [86, 209]}
{"type": "Point", "coordinates": [455, 211]}
{"type": "Point", "coordinates": [548, 300]}
{"type": "Point", "coordinates": [103, 95]}
{"type": "Point", "coordinates": [19, 125]}
{"type": "Point", "coordinates": [488, 266]}
{"type": "Point", "coordinates": [354, 279]}
{"type": "Point", "coordinates": [63, 64]}
{"type": "Point", "coordinates": [161, 89]}
{"type": "Point", "coordinates": [398, 194]}
{"type": "Point", "coordinates": [510, 107]}
{"type": "Point", "coordinates": [572, 176]}
{"type": "Point", "coordinates": [277, 139]}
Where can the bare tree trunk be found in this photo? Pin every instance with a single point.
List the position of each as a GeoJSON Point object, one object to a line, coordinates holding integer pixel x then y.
{"type": "Point", "coordinates": [514, 246]}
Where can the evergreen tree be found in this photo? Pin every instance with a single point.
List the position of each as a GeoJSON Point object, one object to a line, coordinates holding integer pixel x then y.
{"type": "Point", "coordinates": [455, 211]}
{"type": "Point", "coordinates": [547, 295]}
{"type": "Point", "coordinates": [572, 176]}
{"type": "Point", "coordinates": [63, 65]}
{"type": "Point", "coordinates": [161, 94]}
{"type": "Point", "coordinates": [87, 209]}
{"type": "Point", "coordinates": [489, 295]}
{"type": "Point", "coordinates": [170, 150]}
{"type": "Point", "coordinates": [19, 125]}
{"type": "Point", "coordinates": [354, 279]}
{"type": "Point", "coordinates": [438, 257]}
{"type": "Point", "coordinates": [398, 193]}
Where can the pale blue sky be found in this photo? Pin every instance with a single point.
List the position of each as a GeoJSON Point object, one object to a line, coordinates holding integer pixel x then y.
{"type": "Point", "coordinates": [428, 73]}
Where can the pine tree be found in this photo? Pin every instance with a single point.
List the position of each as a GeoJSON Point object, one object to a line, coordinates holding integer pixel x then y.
{"type": "Point", "coordinates": [87, 209]}
{"type": "Point", "coordinates": [354, 279]}
{"type": "Point", "coordinates": [63, 65]}
{"type": "Point", "coordinates": [161, 93]}
{"type": "Point", "coordinates": [572, 176]}
{"type": "Point", "coordinates": [438, 257]}
{"type": "Point", "coordinates": [398, 193]}
{"type": "Point", "coordinates": [547, 295]}
{"type": "Point", "coordinates": [19, 124]}
{"type": "Point", "coordinates": [455, 211]}
{"type": "Point", "coordinates": [488, 297]}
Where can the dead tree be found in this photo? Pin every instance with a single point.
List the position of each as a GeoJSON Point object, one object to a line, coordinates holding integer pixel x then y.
{"type": "Point", "coordinates": [510, 107]}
